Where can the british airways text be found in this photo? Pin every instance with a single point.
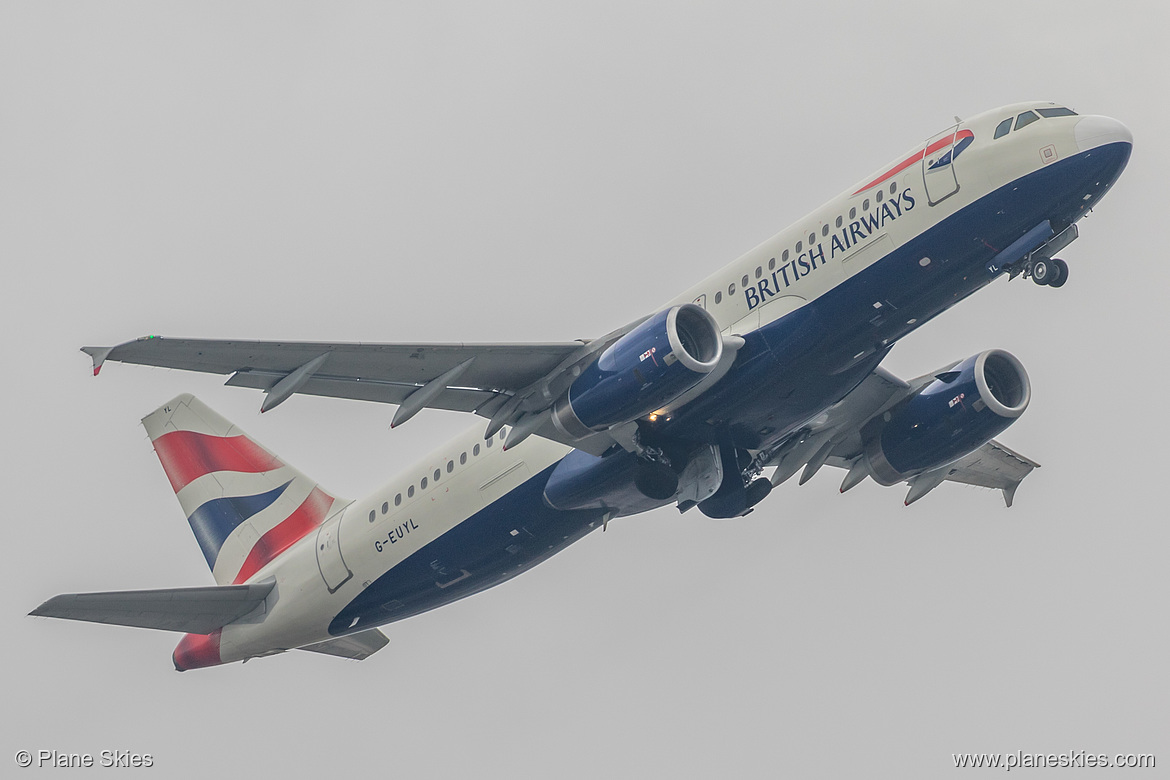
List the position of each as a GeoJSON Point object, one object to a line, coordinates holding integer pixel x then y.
{"type": "Point", "coordinates": [842, 241]}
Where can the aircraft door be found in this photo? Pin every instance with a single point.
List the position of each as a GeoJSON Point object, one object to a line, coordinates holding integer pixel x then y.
{"type": "Point", "coordinates": [329, 561]}
{"type": "Point", "coordinates": [938, 167]}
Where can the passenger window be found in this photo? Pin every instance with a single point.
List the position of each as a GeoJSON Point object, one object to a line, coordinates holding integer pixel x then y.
{"type": "Point", "coordinates": [475, 451]}
{"type": "Point", "coordinates": [385, 507]}
{"type": "Point", "coordinates": [410, 492]}
{"type": "Point", "coordinates": [839, 221]}
{"type": "Point", "coordinates": [372, 515]}
{"type": "Point", "coordinates": [893, 187]}
{"type": "Point", "coordinates": [853, 213]}
{"type": "Point", "coordinates": [759, 272]}
{"type": "Point", "coordinates": [438, 474]}
{"type": "Point", "coordinates": [1049, 113]}
{"type": "Point", "coordinates": [423, 484]}
{"type": "Point", "coordinates": [719, 297]}
{"type": "Point", "coordinates": [812, 238]}
{"type": "Point", "coordinates": [1025, 119]}
{"type": "Point", "coordinates": [772, 264]}
{"type": "Point", "coordinates": [731, 289]}
{"type": "Point", "coordinates": [865, 205]}
{"type": "Point", "coordinates": [491, 441]}
{"type": "Point", "coordinates": [879, 196]}
{"type": "Point", "coordinates": [825, 229]}
{"type": "Point", "coordinates": [450, 466]}
{"type": "Point", "coordinates": [744, 282]}
{"type": "Point", "coordinates": [799, 246]}
{"type": "Point", "coordinates": [462, 458]}
{"type": "Point", "coordinates": [398, 500]}
{"type": "Point", "coordinates": [1003, 128]}
{"type": "Point", "coordinates": [784, 257]}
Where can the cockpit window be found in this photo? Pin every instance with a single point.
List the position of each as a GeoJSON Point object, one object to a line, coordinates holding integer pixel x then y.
{"type": "Point", "coordinates": [1048, 113]}
{"type": "Point", "coordinates": [1025, 119]}
{"type": "Point", "coordinates": [1003, 128]}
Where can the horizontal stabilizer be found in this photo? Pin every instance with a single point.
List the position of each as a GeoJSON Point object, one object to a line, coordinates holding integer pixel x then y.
{"type": "Point", "coordinates": [188, 610]}
{"type": "Point", "coordinates": [357, 647]}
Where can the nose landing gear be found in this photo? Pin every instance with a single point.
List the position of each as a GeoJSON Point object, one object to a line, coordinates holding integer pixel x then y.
{"type": "Point", "coordinates": [1051, 272]}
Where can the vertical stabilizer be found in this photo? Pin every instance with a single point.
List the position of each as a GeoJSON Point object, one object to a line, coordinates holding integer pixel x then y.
{"type": "Point", "coordinates": [244, 504]}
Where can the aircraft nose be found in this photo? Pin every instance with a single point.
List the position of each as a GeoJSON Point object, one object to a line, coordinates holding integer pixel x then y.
{"type": "Point", "coordinates": [1094, 131]}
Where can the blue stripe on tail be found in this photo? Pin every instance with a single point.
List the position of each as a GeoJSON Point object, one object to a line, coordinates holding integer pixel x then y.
{"type": "Point", "coordinates": [214, 522]}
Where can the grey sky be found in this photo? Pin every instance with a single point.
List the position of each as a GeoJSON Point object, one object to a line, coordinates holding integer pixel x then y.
{"type": "Point", "coordinates": [460, 172]}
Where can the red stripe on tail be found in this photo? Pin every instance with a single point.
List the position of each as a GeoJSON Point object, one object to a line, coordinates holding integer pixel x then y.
{"type": "Point", "coordinates": [308, 516]}
{"type": "Point", "coordinates": [186, 456]}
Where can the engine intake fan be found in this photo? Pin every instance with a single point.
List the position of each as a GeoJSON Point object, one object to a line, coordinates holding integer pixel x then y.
{"type": "Point", "coordinates": [642, 371]}
{"type": "Point", "coordinates": [960, 411]}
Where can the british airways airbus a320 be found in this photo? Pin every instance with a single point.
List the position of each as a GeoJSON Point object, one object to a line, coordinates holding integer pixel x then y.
{"type": "Point", "coordinates": [769, 366]}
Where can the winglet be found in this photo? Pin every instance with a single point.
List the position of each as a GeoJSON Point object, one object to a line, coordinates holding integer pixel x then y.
{"type": "Point", "coordinates": [99, 355]}
{"type": "Point", "coordinates": [1009, 493]}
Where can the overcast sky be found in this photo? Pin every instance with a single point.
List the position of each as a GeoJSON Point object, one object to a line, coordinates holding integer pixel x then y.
{"type": "Point", "coordinates": [544, 172]}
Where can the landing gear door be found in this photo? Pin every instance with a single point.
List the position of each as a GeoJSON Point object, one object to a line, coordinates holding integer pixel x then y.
{"type": "Point", "coordinates": [938, 167]}
{"type": "Point", "coordinates": [329, 560]}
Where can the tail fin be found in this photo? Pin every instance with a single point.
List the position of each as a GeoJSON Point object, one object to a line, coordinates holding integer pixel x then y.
{"type": "Point", "coordinates": [245, 505]}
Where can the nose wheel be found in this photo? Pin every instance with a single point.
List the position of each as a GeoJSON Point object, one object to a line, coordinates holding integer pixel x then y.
{"type": "Point", "coordinates": [1050, 272]}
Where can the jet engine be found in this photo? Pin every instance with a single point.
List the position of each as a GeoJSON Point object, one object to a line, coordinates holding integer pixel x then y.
{"type": "Point", "coordinates": [645, 369]}
{"type": "Point", "coordinates": [954, 415]}
{"type": "Point", "coordinates": [618, 481]}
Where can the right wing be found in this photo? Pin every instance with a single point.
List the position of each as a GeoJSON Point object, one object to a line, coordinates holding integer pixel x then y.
{"type": "Point", "coordinates": [835, 439]}
{"type": "Point", "coordinates": [188, 610]}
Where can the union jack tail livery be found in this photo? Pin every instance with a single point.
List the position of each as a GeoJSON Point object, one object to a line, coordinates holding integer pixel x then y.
{"type": "Point", "coordinates": [245, 505]}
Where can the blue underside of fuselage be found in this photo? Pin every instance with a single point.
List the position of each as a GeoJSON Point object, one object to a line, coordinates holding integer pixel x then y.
{"type": "Point", "coordinates": [480, 552]}
{"type": "Point", "coordinates": [792, 369]}
{"type": "Point", "coordinates": [786, 373]}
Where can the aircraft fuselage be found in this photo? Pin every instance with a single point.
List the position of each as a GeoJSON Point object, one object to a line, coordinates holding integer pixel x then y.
{"type": "Point", "coordinates": [818, 306]}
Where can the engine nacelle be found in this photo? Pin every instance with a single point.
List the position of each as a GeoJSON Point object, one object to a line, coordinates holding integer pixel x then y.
{"type": "Point", "coordinates": [952, 416]}
{"type": "Point", "coordinates": [618, 482]}
{"type": "Point", "coordinates": [645, 369]}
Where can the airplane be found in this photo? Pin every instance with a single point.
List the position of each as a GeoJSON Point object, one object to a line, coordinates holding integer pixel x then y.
{"type": "Point", "coordinates": [770, 366]}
